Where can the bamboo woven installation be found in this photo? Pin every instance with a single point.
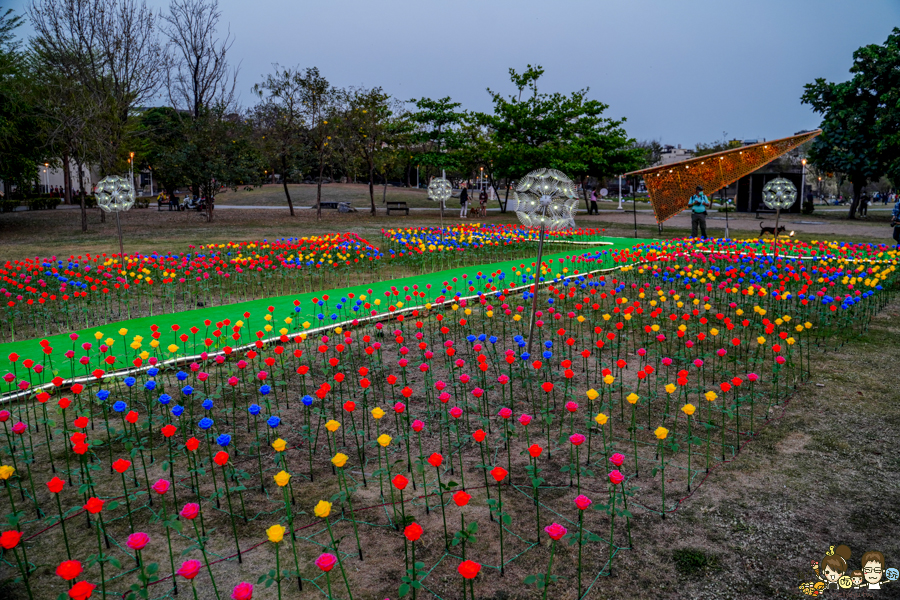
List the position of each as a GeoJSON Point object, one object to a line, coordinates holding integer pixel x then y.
{"type": "Point", "coordinates": [671, 186]}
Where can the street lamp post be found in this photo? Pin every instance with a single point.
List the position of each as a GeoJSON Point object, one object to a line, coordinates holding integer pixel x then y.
{"type": "Point", "coordinates": [620, 194]}
{"type": "Point", "coordinates": [149, 168]}
{"type": "Point", "coordinates": [802, 181]}
{"type": "Point", "coordinates": [131, 163]}
{"type": "Point", "coordinates": [47, 176]}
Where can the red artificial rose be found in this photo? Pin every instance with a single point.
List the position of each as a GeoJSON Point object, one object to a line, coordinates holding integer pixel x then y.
{"type": "Point", "coordinates": [121, 465]}
{"type": "Point", "coordinates": [221, 458]}
{"type": "Point", "coordinates": [10, 539]}
{"type": "Point", "coordinates": [435, 460]}
{"type": "Point", "coordinates": [413, 532]}
{"type": "Point", "coordinates": [81, 590]}
{"type": "Point", "coordinates": [499, 474]}
{"type": "Point", "coordinates": [479, 435]}
{"type": "Point", "coordinates": [69, 569]}
{"type": "Point", "coordinates": [192, 444]}
{"type": "Point", "coordinates": [93, 505]}
{"type": "Point", "coordinates": [169, 430]}
{"type": "Point", "coordinates": [469, 569]}
{"type": "Point", "coordinates": [55, 485]}
{"type": "Point", "coordinates": [461, 498]}
{"type": "Point", "coordinates": [534, 450]}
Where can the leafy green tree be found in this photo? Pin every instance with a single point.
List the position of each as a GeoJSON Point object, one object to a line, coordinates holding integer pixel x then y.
{"type": "Point", "coordinates": [437, 132]}
{"type": "Point", "coordinates": [280, 119]}
{"type": "Point", "coordinates": [162, 138]}
{"type": "Point", "coordinates": [20, 126]}
{"type": "Point", "coordinates": [322, 107]}
{"type": "Point", "coordinates": [556, 131]}
{"type": "Point", "coordinates": [860, 131]}
{"type": "Point", "coordinates": [368, 124]}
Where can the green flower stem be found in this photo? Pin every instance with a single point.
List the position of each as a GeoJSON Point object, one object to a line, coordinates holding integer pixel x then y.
{"type": "Point", "coordinates": [340, 562]}
{"type": "Point", "coordinates": [550, 567]}
{"type": "Point", "coordinates": [202, 545]}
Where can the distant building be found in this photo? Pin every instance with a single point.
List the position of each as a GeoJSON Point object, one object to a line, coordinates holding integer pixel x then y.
{"type": "Point", "coordinates": [673, 154]}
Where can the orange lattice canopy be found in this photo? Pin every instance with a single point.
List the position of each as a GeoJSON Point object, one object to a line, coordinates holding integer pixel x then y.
{"type": "Point", "coordinates": [671, 186]}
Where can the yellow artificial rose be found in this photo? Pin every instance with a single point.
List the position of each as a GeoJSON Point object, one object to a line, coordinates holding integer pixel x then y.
{"type": "Point", "coordinates": [384, 440]}
{"type": "Point", "coordinates": [275, 533]}
{"type": "Point", "coordinates": [711, 396]}
{"type": "Point", "coordinates": [279, 445]}
{"type": "Point", "coordinates": [661, 433]}
{"type": "Point", "coordinates": [6, 472]}
{"type": "Point", "coordinates": [670, 388]}
{"type": "Point", "coordinates": [592, 394]}
{"type": "Point", "coordinates": [340, 459]}
{"type": "Point", "coordinates": [688, 409]}
{"type": "Point", "coordinates": [282, 478]}
{"type": "Point", "coordinates": [601, 419]}
{"type": "Point", "coordinates": [632, 398]}
{"type": "Point", "coordinates": [332, 425]}
{"type": "Point", "coordinates": [377, 413]}
{"type": "Point", "coordinates": [323, 509]}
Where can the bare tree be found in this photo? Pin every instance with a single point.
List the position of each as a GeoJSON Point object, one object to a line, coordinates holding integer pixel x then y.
{"type": "Point", "coordinates": [199, 76]}
{"type": "Point", "coordinates": [110, 47]}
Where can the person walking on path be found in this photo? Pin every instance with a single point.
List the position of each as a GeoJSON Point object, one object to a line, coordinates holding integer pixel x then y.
{"type": "Point", "coordinates": [463, 201]}
{"type": "Point", "coordinates": [895, 222]}
{"type": "Point", "coordinates": [482, 203]}
{"type": "Point", "coordinates": [593, 209]}
{"type": "Point", "coordinates": [698, 205]}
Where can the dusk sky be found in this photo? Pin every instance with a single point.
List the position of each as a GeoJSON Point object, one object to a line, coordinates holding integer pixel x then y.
{"type": "Point", "coordinates": [681, 72]}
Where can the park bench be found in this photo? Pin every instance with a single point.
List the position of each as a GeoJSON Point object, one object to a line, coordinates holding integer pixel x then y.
{"type": "Point", "coordinates": [171, 204]}
{"type": "Point", "coordinates": [331, 205]}
{"type": "Point", "coordinates": [762, 208]}
{"type": "Point", "coordinates": [397, 206]}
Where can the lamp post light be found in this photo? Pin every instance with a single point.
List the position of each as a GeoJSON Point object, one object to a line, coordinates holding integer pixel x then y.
{"type": "Point", "coordinates": [131, 164]}
{"type": "Point", "coordinates": [819, 190]}
{"type": "Point", "coordinates": [47, 176]}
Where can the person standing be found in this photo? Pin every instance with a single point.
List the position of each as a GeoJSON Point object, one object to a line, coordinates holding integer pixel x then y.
{"type": "Point", "coordinates": [463, 201]}
{"type": "Point", "coordinates": [895, 222]}
{"type": "Point", "coordinates": [594, 209]}
{"type": "Point", "coordinates": [864, 205]}
{"type": "Point", "coordinates": [698, 205]}
{"type": "Point", "coordinates": [482, 203]}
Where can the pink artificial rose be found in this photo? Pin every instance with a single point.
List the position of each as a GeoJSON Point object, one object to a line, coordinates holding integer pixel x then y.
{"type": "Point", "coordinates": [418, 425]}
{"type": "Point", "coordinates": [161, 487]}
{"type": "Point", "coordinates": [617, 459]}
{"type": "Point", "coordinates": [189, 569]}
{"type": "Point", "coordinates": [615, 477]}
{"type": "Point", "coordinates": [577, 439]}
{"type": "Point", "coordinates": [505, 413]}
{"type": "Point", "coordinates": [583, 502]}
{"type": "Point", "coordinates": [137, 541]}
{"type": "Point", "coordinates": [190, 511]}
{"type": "Point", "coordinates": [242, 591]}
{"type": "Point", "coordinates": [555, 531]}
{"type": "Point", "coordinates": [524, 420]}
{"type": "Point", "coordinates": [326, 561]}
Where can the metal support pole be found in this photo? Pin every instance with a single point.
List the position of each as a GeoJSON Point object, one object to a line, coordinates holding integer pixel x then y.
{"type": "Point", "coordinates": [537, 273]}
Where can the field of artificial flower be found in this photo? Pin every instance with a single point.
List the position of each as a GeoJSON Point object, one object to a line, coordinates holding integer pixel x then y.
{"type": "Point", "coordinates": [417, 448]}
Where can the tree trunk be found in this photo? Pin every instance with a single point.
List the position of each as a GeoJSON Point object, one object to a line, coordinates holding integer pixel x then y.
{"type": "Point", "coordinates": [384, 189]}
{"type": "Point", "coordinates": [587, 205]}
{"type": "Point", "coordinates": [372, 187]}
{"type": "Point", "coordinates": [67, 178]}
{"type": "Point", "coordinates": [858, 183]}
{"type": "Point", "coordinates": [81, 187]}
{"type": "Point", "coordinates": [319, 191]}
{"type": "Point", "coordinates": [284, 182]}
{"type": "Point", "coordinates": [506, 200]}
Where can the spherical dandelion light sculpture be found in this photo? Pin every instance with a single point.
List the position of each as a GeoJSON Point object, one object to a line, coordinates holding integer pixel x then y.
{"type": "Point", "coordinates": [115, 194]}
{"type": "Point", "coordinates": [779, 194]}
{"type": "Point", "coordinates": [546, 199]}
{"type": "Point", "coordinates": [439, 190]}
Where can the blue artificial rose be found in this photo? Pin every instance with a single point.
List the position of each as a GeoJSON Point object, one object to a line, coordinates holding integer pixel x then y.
{"type": "Point", "coordinates": [103, 395]}
{"type": "Point", "coordinates": [223, 440]}
{"type": "Point", "coordinates": [273, 421]}
{"type": "Point", "coordinates": [120, 406]}
{"type": "Point", "coordinates": [165, 399]}
{"type": "Point", "coordinates": [254, 409]}
{"type": "Point", "coordinates": [187, 390]}
{"type": "Point", "coordinates": [207, 404]}
{"type": "Point", "coordinates": [181, 375]}
{"type": "Point", "coordinates": [205, 423]}
{"type": "Point", "coordinates": [177, 410]}
{"type": "Point", "coordinates": [307, 400]}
